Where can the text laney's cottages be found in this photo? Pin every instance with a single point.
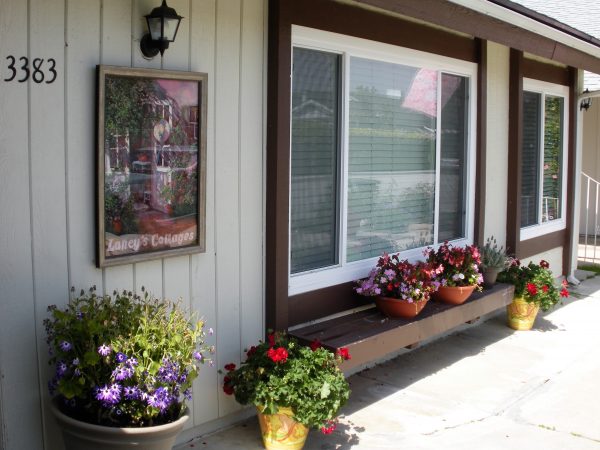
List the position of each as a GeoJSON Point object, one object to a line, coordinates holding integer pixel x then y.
{"type": "Point", "coordinates": [403, 124]}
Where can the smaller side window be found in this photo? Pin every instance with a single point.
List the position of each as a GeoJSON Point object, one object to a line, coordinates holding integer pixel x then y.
{"type": "Point", "coordinates": [543, 159]}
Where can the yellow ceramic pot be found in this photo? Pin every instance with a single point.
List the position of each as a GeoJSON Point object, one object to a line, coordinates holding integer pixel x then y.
{"type": "Point", "coordinates": [521, 314]}
{"type": "Point", "coordinates": [280, 431]}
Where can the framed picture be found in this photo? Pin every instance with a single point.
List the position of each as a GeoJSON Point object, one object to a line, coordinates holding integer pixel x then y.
{"type": "Point", "coordinates": [151, 164]}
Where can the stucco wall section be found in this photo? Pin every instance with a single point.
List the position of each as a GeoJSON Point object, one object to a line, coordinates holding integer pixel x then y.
{"type": "Point", "coordinates": [497, 142]}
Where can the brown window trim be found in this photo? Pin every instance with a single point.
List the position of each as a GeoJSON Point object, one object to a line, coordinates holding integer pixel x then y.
{"type": "Point", "coordinates": [520, 68]}
{"type": "Point", "coordinates": [283, 311]}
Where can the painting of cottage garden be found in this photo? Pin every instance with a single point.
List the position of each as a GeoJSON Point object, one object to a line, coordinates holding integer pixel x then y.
{"type": "Point", "coordinates": [152, 165]}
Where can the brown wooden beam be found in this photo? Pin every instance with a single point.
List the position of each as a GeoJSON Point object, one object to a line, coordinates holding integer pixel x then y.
{"type": "Point", "coordinates": [278, 142]}
{"type": "Point", "coordinates": [546, 72]}
{"type": "Point", "coordinates": [570, 233]}
{"type": "Point", "coordinates": [480, 171]}
{"type": "Point", "coordinates": [515, 135]}
{"type": "Point", "coordinates": [465, 20]}
{"type": "Point", "coordinates": [542, 244]}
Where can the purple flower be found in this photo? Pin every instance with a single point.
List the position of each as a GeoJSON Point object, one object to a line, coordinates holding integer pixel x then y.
{"type": "Point", "coordinates": [132, 392]}
{"type": "Point", "coordinates": [65, 346]}
{"type": "Point", "coordinates": [131, 362]}
{"type": "Point", "coordinates": [168, 372]}
{"type": "Point", "coordinates": [77, 372]}
{"type": "Point", "coordinates": [75, 362]}
{"type": "Point", "coordinates": [187, 394]}
{"type": "Point", "coordinates": [61, 369]}
{"type": "Point", "coordinates": [198, 356]}
{"type": "Point", "coordinates": [121, 357]}
{"type": "Point", "coordinates": [160, 398]}
{"type": "Point", "coordinates": [122, 372]}
{"type": "Point", "coordinates": [109, 395]}
{"type": "Point", "coordinates": [211, 331]}
{"type": "Point", "coordinates": [104, 350]}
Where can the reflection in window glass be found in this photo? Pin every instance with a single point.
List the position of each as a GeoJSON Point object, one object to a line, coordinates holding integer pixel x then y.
{"type": "Point", "coordinates": [553, 145]}
{"type": "Point", "coordinates": [454, 146]}
{"type": "Point", "coordinates": [314, 166]}
{"type": "Point", "coordinates": [530, 158]}
{"type": "Point", "coordinates": [391, 161]}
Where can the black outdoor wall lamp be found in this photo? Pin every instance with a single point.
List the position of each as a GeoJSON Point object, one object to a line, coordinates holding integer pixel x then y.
{"type": "Point", "coordinates": [586, 102]}
{"type": "Point", "coordinates": [163, 23]}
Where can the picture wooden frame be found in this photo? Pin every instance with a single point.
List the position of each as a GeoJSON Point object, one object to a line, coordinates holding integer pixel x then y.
{"type": "Point", "coordinates": [151, 164]}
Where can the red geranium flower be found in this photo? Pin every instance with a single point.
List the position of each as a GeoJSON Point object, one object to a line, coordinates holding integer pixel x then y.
{"type": "Point", "coordinates": [271, 338]}
{"type": "Point", "coordinates": [532, 289]}
{"type": "Point", "coordinates": [544, 264]}
{"type": "Point", "coordinates": [329, 428]}
{"type": "Point", "coordinates": [278, 355]}
{"type": "Point", "coordinates": [564, 293]}
{"type": "Point", "coordinates": [229, 367]}
{"type": "Point", "coordinates": [315, 345]}
{"type": "Point", "coordinates": [545, 288]}
{"type": "Point", "coordinates": [344, 353]}
{"type": "Point", "coordinates": [228, 389]}
{"type": "Point", "coordinates": [251, 351]}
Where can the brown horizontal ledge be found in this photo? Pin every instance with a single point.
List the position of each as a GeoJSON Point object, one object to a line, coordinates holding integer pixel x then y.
{"type": "Point", "coordinates": [369, 335]}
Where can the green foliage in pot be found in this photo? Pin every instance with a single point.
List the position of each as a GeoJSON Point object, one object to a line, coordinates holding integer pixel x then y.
{"type": "Point", "coordinates": [492, 255]}
{"type": "Point", "coordinates": [124, 360]}
{"type": "Point", "coordinates": [534, 282]}
{"type": "Point", "coordinates": [281, 372]}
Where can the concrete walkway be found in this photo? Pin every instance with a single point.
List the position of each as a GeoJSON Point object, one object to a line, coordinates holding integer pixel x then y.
{"type": "Point", "coordinates": [484, 388]}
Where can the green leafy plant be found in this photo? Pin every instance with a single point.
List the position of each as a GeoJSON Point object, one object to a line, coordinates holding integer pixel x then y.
{"type": "Point", "coordinates": [534, 282]}
{"type": "Point", "coordinates": [125, 359]}
{"type": "Point", "coordinates": [493, 256]}
{"type": "Point", "coordinates": [281, 372]}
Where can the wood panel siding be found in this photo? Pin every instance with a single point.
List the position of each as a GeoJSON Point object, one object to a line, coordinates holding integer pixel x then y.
{"type": "Point", "coordinates": [47, 166]}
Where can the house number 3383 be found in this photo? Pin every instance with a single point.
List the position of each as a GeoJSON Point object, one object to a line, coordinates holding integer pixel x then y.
{"type": "Point", "coordinates": [40, 70]}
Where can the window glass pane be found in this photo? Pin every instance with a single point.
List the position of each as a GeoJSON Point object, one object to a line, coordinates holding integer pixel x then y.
{"type": "Point", "coordinates": [391, 161]}
{"type": "Point", "coordinates": [454, 141]}
{"type": "Point", "coordinates": [530, 161]}
{"type": "Point", "coordinates": [553, 145]}
{"type": "Point", "coordinates": [314, 165]}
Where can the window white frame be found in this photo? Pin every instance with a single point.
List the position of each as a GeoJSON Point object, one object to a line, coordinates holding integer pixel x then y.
{"type": "Point", "coordinates": [555, 90]}
{"type": "Point", "coordinates": [349, 47]}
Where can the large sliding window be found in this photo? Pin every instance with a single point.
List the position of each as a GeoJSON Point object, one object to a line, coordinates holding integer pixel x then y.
{"type": "Point", "coordinates": [381, 155]}
{"type": "Point", "coordinates": [543, 160]}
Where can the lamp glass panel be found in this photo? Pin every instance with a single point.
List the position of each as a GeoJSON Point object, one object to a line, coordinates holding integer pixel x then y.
{"type": "Point", "coordinates": [170, 29]}
{"type": "Point", "coordinates": [154, 25]}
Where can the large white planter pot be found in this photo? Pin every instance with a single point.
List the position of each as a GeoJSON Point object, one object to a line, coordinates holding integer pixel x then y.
{"type": "Point", "coordinates": [79, 435]}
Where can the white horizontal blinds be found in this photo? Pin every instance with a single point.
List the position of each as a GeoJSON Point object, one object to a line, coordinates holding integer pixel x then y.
{"type": "Point", "coordinates": [391, 158]}
{"type": "Point", "coordinates": [453, 161]}
{"type": "Point", "coordinates": [314, 166]}
{"type": "Point", "coordinates": [553, 148]}
{"type": "Point", "coordinates": [530, 158]}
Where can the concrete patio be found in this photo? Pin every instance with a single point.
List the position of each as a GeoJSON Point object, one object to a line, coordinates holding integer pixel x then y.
{"type": "Point", "coordinates": [485, 387]}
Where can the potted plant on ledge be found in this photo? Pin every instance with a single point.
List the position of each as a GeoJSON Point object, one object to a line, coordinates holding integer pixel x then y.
{"type": "Point", "coordinates": [124, 369]}
{"type": "Point", "coordinates": [493, 261]}
{"type": "Point", "coordinates": [535, 288]}
{"type": "Point", "coordinates": [459, 271]}
{"type": "Point", "coordinates": [293, 387]}
{"type": "Point", "coordinates": [401, 289]}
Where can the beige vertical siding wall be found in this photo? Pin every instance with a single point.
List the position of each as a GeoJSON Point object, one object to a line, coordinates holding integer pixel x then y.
{"type": "Point", "coordinates": [497, 142]}
{"type": "Point", "coordinates": [47, 187]}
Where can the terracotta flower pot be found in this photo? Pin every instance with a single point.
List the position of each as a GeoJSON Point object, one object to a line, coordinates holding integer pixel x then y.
{"type": "Point", "coordinates": [454, 295]}
{"type": "Point", "coordinates": [79, 435]}
{"type": "Point", "coordinates": [280, 431]}
{"type": "Point", "coordinates": [521, 314]}
{"type": "Point", "coordinates": [395, 308]}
